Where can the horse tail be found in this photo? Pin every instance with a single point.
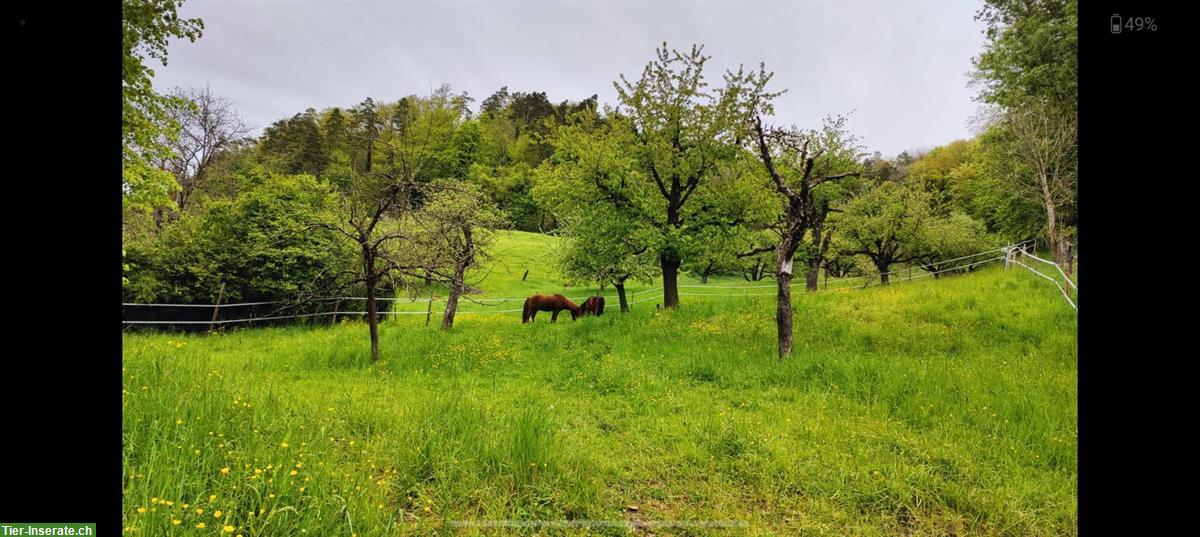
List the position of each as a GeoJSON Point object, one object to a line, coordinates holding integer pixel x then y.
{"type": "Point", "coordinates": [525, 310]}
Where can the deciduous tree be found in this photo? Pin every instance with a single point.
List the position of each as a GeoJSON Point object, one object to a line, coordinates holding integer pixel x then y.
{"type": "Point", "coordinates": [207, 130]}
{"type": "Point", "coordinates": [146, 28]}
{"type": "Point", "coordinates": [797, 162]}
{"type": "Point", "coordinates": [680, 131]}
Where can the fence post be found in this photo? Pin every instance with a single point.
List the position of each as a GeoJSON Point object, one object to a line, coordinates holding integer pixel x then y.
{"type": "Point", "coordinates": [429, 311]}
{"type": "Point", "coordinates": [217, 307]}
{"type": "Point", "coordinates": [337, 304]}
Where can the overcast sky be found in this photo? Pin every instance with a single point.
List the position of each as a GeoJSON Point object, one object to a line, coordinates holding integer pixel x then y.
{"type": "Point", "coordinates": [901, 67]}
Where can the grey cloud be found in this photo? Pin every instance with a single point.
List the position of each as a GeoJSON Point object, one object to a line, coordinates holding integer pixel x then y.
{"type": "Point", "coordinates": [901, 66]}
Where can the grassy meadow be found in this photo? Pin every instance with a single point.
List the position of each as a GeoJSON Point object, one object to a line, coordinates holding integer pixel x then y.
{"type": "Point", "coordinates": [928, 407]}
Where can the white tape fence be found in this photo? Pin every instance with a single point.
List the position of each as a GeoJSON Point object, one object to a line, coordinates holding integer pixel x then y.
{"type": "Point", "coordinates": [1015, 253]}
{"type": "Point", "coordinates": [967, 262]}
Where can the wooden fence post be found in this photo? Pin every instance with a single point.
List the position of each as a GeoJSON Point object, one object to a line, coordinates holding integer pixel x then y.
{"type": "Point", "coordinates": [217, 307]}
{"type": "Point", "coordinates": [336, 305]}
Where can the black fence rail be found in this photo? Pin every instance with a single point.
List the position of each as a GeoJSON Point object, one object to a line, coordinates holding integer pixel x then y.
{"type": "Point", "coordinates": [203, 317]}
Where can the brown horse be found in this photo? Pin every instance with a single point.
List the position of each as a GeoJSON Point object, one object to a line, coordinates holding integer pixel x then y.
{"type": "Point", "coordinates": [593, 305]}
{"type": "Point", "coordinates": [555, 303]}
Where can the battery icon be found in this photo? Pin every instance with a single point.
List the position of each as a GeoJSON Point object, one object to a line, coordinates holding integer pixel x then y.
{"type": "Point", "coordinates": [1115, 24]}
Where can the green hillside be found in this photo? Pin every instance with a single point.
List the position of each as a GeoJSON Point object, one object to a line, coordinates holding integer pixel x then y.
{"type": "Point", "coordinates": [930, 407]}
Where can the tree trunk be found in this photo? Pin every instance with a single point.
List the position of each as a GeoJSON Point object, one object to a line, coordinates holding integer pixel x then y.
{"type": "Point", "coordinates": [457, 284]}
{"type": "Point", "coordinates": [670, 271]}
{"type": "Point", "coordinates": [1056, 249]}
{"type": "Point", "coordinates": [814, 272]}
{"type": "Point", "coordinates": [372, 317]}
{"type": "Point", "coordinates": [620, 286]}
{"type": "Point", "coordinates": [704, 274]}
{"type": "Point", "coordinates": [181, 201]}
{"type": "Point", "coordinates": [456, 289]}
{"type": "Point", "coordinates": [370, 144]}
{"type": "Point", "coordinates": [783, 308]}
{"type": "Point", "coordinates": [816, 253]}
{"type": "Point", "coordinates": [883, 271]}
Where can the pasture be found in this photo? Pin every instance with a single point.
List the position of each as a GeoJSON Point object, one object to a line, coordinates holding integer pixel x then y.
{"type": "Point", "coordinates": [932, 407]}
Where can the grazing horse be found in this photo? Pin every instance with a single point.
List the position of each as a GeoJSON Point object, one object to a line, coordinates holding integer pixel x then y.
{"type": "Point", "coordinates": [593, 305]}
{"type": "Point", "coordinates": [554, 303]}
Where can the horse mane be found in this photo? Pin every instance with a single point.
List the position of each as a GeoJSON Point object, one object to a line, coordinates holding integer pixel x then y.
{"type": "Point", "coordinates": [570, 305]}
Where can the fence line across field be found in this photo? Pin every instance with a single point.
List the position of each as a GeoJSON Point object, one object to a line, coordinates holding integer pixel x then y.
{"type": "Point", "coordinates": [498, 300]}
{"type": "Point", "coordinates": [1052, 280]}
{"type": "Point", "coordinates": [1056, 265]}
{"type": "Point", "coordinates": [502, 300]}
{"type": "Point", "coordinates": [1023, 249]}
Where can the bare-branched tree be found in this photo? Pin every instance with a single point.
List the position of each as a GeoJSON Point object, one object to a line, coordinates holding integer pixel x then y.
{"type": "Point", "coordinates": [207, 130]}
{"type": "Point", "coordinates": [454, 232]}
{"type": "Point", "coordinates": [1046, 139]}
{"type": "Point", "coordinates": [796, 162]}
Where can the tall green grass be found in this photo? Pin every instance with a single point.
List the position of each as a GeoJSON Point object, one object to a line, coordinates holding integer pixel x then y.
{"type": "Point", "coordinates": [929, 407]}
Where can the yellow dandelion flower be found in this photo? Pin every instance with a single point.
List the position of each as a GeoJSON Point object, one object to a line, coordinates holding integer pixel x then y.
{"type": "Point", "coordinates": [154, 500]}
{"type": "Point", "coordinates": [141, 510]}
{"type": "Point", "coordinates": [301, 489]}
{"type": "Point", "coordinates": [293, 472]}
{"type": "Point", "coordinates": [225, 470]}
{"type": "Point", "coordinates": [201, 525]}
{"type": "Point", "coordinates": [176, 522]}
{"type": "Point", "coordinates": [217, 513]}
{"type": "Point", "coordinates": [179, 422]}
{"type": "Point", "coordinates": [229, 529]}
{"type": "Point", "coordinates": [427, 509]}
{"type": "Point", "coordinates": [199, 511]}
{"type": "Point", "coordinates": [283, 444]}
{"type": "Point", "coordinates": [212, 498]}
